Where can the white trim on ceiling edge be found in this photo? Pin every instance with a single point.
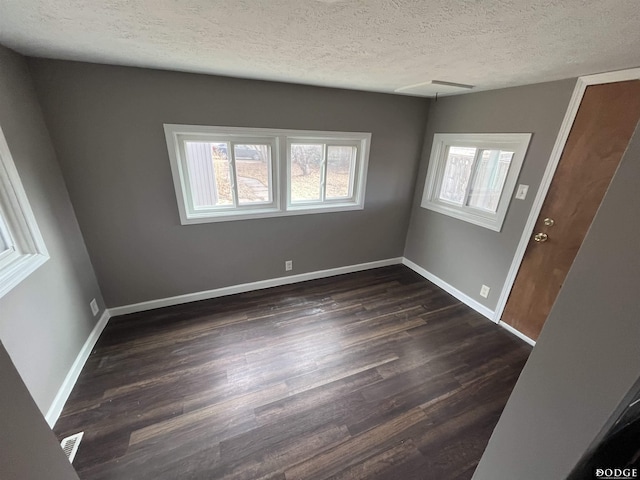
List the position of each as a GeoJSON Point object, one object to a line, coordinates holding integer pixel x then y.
{"type": "Point", "coordinates": [554, 159]}
{"type": "Point", "coordinates": [74, 372]}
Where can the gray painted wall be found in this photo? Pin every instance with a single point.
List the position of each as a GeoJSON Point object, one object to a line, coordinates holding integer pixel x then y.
{"type": "Point", "coordinates": [464, 255]}
{"type": "Point", "coordinates": [28, 448]}
{"type": "Point", "coordinates": [586, 359]}
{"type": "Point", "coordinates": [106, 125]}
{"type": "Point", "coordinates": [46, 319]}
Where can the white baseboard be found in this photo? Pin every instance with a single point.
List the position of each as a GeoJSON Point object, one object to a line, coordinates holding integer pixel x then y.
{"type": "Point", "coordinates": [518, 334]}
{"type": "Point", "coordinates": [464, 298]}
{"type": "Point", "coordinates": [247, 287]}
{"type": "Point", "coordinates": [74, 372]}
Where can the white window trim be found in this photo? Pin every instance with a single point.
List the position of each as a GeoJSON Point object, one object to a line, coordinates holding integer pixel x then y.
{"type": "Point", "coordinates": [355, 201]}
{"type": "Point", "coordinates": [19, 224]}
{"type": "Point", "coordinates": [516, 142]}
{"type": "Point", "coordinates": [280, 139]}
{"type": "Point", "coordinates": [224, 213]}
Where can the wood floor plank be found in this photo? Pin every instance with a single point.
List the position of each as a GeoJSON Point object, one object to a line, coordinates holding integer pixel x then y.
{"type": "Point", "coordinates": [372, 375]}
{"type": "Point", "coordinates": [222, 409]}
{"type": "Point", "coordinates": [346, 454]}
{"type": "Point", "coordinates": [403, 461]}
{"type": "Point", "coordinates": [263, 463]}
{"type": "Point", "coordinates": [281, 410]}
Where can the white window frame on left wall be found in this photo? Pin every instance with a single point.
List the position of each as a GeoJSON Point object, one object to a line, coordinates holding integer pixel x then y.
{"type": "Point", "coordinates": [18, 226]}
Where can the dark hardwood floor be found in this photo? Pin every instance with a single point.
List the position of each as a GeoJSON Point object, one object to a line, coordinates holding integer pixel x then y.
{"type": "Point", "coordinates": [372, 375]}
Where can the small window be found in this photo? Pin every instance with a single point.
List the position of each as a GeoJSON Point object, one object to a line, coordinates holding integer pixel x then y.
{"type": "Point", "coordinates": [223, 174]}
{"type": "Point", "coordinates": [322, 174]}
{"type": "Point", "coordinates": [22, 248]}
{"type": "Point", "coordinates": [229, 173]}
{"type": "Point", "coordinates": [472, 176]}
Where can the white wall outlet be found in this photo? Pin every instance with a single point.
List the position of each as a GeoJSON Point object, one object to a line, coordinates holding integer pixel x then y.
{"type": "Point", "coordinates": [94, 307]}
{"type": "Point", "coordinates": [288, 265]}
{"type": "Point", "coordinates": [484, 291]}
{"type": "Point", "coordinates": [521, 194]}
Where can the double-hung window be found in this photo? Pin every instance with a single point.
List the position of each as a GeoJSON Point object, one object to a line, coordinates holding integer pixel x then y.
{"type": "Point", "coordinates": [230, 173]}
{"type": "Point", "coordinates": [22, 248]}
{"type": "Point", "coordinates": [472, 176]}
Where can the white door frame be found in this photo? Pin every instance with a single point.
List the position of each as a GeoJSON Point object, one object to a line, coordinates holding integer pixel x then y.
{"type": "Point", "coordinates": [554, 159]}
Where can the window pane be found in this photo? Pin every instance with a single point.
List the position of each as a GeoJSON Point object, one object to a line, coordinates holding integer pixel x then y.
{"type": "Point", "coordinates": [489, 178]}
{"type": "Point", "coordinates": [306, 163]}
{"type": "Point", "coordinates": [253, 164]}
{"type": "Point", "coordinates": [457, 173]}
{"type": "Point", "coordinates": [209, 174]}
{"type": "Point", "coordinates": [340, 163]}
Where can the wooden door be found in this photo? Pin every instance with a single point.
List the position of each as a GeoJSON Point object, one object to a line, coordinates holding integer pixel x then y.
{"type": "Point", "coordinates": [601, 131]}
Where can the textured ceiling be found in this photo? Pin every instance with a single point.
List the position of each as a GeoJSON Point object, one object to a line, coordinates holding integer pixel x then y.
{"type": "Point", "coordinates": [378, 45]}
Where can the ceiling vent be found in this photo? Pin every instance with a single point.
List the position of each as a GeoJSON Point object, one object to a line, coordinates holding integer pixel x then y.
{"type": "Point", "coordinates": [70, 445]}
{"type": "Point", "coordinates": [434, 88]}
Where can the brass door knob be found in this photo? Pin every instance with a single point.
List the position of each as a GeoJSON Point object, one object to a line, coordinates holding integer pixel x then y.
{"type": "Point", "coordinates": [541, 237]}
{"type": "Point", "coordinates": [549, 222]}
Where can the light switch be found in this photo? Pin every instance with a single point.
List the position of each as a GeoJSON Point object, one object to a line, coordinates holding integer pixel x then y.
{"type": "Point", "coordinates": [521, 194]}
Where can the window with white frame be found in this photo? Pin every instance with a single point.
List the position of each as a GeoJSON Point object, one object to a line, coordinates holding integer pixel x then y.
{"type": "Point", "coordinates": [22, 248]}
{"type": "Point", "coordinates": [231, 173]}
{"type": "Point", "coordinates": [472, 176]}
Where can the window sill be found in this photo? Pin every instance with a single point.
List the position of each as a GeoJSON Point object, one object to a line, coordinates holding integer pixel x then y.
{"type": "Point", "coordinates": [193, 219]}
{"type": "Point", "coordinates": [467, 215]}
{"type": "Point", "coordinates": [16, 271]}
